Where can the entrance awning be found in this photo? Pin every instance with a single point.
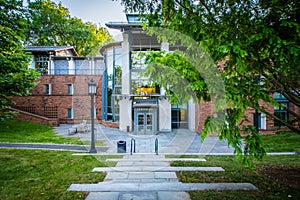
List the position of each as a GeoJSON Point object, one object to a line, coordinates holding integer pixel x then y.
{"type": "Point", "coordinates": [145, 105]}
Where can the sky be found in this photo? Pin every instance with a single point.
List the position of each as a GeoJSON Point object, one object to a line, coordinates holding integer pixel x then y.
{"type": "Point", "coordinates": [96, 11]}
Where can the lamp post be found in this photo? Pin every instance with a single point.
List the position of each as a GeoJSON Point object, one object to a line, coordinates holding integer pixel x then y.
{"type": "Point", "coordinates": [92, 92]}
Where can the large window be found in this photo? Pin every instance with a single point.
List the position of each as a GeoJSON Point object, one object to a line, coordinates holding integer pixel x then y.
{"type": "Point", "coordinates": [281, 110]}
{"type": "Point", "coordinates": [41, 64]}
{"type": "Point", "coordinates": [112, 84]}
{"type": "Point", "coordinates": [179, 116]}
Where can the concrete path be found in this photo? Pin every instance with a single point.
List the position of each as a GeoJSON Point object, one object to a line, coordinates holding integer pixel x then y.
{"type": "Point", "coordinates": [149, 176]}
{"type": "Point", "coordinates": [179, 141]}
{"type": "Point", "coordinates": [63, 147]}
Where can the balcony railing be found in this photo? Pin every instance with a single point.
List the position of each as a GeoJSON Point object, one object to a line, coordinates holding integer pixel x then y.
{"type": "Point", "coordinates": [67, 71]}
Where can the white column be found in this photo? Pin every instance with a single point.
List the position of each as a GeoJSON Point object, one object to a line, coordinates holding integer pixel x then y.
{"type": "Point", "coordinates": [125, 64]}
{"type": "Point", "coordinates": [191, 115]}
{"type": "Point", "coordinates": [164, 105]}
{"type": "Point", "coordinates": [164, 116]}
{"type": "Point", "coordinates": [125, 102]}
{"type": "Point", "coordinates": [71, 66]}
{"type": "Point", "coordinates": [51, 65]}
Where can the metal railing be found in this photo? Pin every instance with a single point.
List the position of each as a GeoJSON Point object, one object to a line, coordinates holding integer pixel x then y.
{"type": "Point", "coordinates": [66, 71]}
{"type": "Point", "coordinates": [49, 112]}
{"type": "Point", "coordinates": [132, 146]}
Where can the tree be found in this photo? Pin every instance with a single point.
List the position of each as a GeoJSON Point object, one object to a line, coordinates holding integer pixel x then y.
{"type": "Point", "coordinates": [51, 24]}
{"type": "Point", "coordinates": [257, 40]}
{"type": "Point", "coordinates": [15, 77]}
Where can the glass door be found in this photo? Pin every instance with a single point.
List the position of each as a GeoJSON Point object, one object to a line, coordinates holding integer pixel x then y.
{"type": "Point", "coordinates": [149, 123]}
{"type": "Point", "coordinates": [145, 123]}
{"type": "Point", "coordinates": [141, 123]}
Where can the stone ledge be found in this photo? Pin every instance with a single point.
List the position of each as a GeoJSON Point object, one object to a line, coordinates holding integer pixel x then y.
{"type": "Point", "coordinates": [166, 186]}
{"type": "Point", "coordinates": [155, 169]}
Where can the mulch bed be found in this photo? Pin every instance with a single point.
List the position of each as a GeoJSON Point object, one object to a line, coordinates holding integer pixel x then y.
{"type": "Point", "coordinates": [288, 175]}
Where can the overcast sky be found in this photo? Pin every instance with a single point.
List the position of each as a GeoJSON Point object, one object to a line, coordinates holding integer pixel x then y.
{"type": "Point", "coordinates": [96, 11]}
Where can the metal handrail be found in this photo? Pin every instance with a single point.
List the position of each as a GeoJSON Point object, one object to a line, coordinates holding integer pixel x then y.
{"type": "Point", "coordinates": [132, 146]}
{"type": "Point", "coordinates": [156, 146]}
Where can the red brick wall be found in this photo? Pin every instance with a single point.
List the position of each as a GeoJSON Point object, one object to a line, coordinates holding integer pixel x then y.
{"type": "Point", "coordinates": [202, 112]}
{"type": "Point", "coordinates": [110, 124]}
{"type": "Point", "coordinates": [205, 109]}
{"type": "Point", "coordinates": [80, 101]}
{"type": "Point", "coordinates": [25, 116]}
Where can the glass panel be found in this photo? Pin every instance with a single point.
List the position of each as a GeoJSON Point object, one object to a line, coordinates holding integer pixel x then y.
{"type": "Point", "coordinates": [140, 119]}
{"type": "Point", "coordinates": [149, 119]}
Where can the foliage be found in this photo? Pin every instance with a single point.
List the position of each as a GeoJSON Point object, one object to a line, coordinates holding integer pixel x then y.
{"type": "Point", "coordinates": [258, 43]}
{"type": "Point", "coordinates": [51, 25]}
{"type": "Point", "coordinates": [15, 78]}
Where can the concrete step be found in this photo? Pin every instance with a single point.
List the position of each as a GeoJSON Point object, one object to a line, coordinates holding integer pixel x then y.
{"type": "Point", "coordinates": [155, 169]}
{"type": "Point", "coordinates": [138, 195]}
{"type": "Point", "coordinates": [157, 160]}
{"type": "Point", "coordinates": [141, 176]}
{"type": "Point", "coordinates": [154, 187]}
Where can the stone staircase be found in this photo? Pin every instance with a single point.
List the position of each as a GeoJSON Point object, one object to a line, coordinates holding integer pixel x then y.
{"type": "Point", "coordinates": [149, 176]}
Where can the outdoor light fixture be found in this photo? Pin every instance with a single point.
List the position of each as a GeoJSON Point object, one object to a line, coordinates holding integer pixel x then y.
{"type": "Point", "coordinates": [92, 87]}
{"type": "Point", "coordinates": [92, 91]}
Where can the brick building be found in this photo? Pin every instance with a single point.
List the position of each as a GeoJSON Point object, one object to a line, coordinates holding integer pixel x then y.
{"type": "Point", "coordinates": [62, 91]}
{"type": "Point", "coordinates": [124, 99]}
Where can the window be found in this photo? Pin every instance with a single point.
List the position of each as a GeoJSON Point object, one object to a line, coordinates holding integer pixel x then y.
{"type": "Point", "coordinates": [70, 89]}
{"type": "Point", "coordinates": [259, 120]}
{"type": "Point", "coordinates": [280, 111]}
{"type": "Point", "coordinates": [70, 113]}
{"type": "Point", "coordinates": [48, 89]}
{"type": "Point", "coordinates": [41, 64]}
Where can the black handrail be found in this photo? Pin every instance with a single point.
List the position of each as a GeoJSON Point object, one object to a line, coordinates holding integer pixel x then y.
{"type": "Point", "coordinates": [132, 146]}
{"type": "Point", "coordinates": [156, 146]}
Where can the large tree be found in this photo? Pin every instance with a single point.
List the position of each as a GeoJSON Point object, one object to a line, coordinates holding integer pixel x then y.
{"type": "Point", "coordinates": [15, 77]}
{"type": "Point", "coordinates": [52, 24]}
{"type": "Point", "coordinates": [258, 41]}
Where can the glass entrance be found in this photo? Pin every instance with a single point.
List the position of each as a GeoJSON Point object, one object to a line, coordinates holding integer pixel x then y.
{"type": "Point", "coordinates": [145, 123]}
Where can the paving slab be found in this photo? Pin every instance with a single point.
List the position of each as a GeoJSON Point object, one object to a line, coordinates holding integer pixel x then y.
{"type": "Point", "coordinates": [157, 160]}
{"type": "Point", "coordinates": [164, 186]}
{"type": "Point", "coordinates": [155, 169]}
{"type": "Point", "coordinates": [103, 196]}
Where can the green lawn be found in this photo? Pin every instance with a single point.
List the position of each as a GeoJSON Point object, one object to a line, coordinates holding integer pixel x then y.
{"type": "Point", "coordinates": [26, 132]}
{"type": "Point", "coordinates": [282, 142]}
{"type": "Point", "coordinates": [277, 177]}
{"type": "Point", "coordinates": [39, 174]}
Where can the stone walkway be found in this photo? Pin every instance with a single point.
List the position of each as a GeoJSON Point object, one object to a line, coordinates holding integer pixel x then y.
{"type": "Point", "coordinates": [149, 176]}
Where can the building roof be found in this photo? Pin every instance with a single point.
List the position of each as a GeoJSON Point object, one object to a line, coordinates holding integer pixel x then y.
{"type": "Point", "coordinates": [108, 46]}
{"type": "Point", "coordinates": [133, 22]}
{"type": "Point", "coordinates": [49, 49]}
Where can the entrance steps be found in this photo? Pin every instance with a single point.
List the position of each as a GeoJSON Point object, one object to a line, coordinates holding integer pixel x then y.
{"type": "Point", "coordinates": [149, 176]}
{"type": "Point", "coordinates": [155, 187]}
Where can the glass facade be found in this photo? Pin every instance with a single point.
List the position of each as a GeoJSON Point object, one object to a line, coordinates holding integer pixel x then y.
{"type": "Point", "coordinates": [112, 84]}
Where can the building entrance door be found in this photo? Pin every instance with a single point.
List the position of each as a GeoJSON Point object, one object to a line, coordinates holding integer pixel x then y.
{"type": "Point", "coordinates": [145, 120]}
{"type": "Point", "coordinates": [145, 123]}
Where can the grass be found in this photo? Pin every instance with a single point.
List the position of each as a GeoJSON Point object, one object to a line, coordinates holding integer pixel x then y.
{"type": "Point", "coordinates": [269, 187]}
{"type": "Point", "coordinates": [38, 174]}
{"type": "Point", "coordinates": [26, 132]}
{"type": "Point", "coordinates": [282, 142]}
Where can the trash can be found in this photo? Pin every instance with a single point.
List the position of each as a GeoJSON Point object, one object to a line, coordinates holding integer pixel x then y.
{"type": "Point", "coordinates": [121, 146]}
